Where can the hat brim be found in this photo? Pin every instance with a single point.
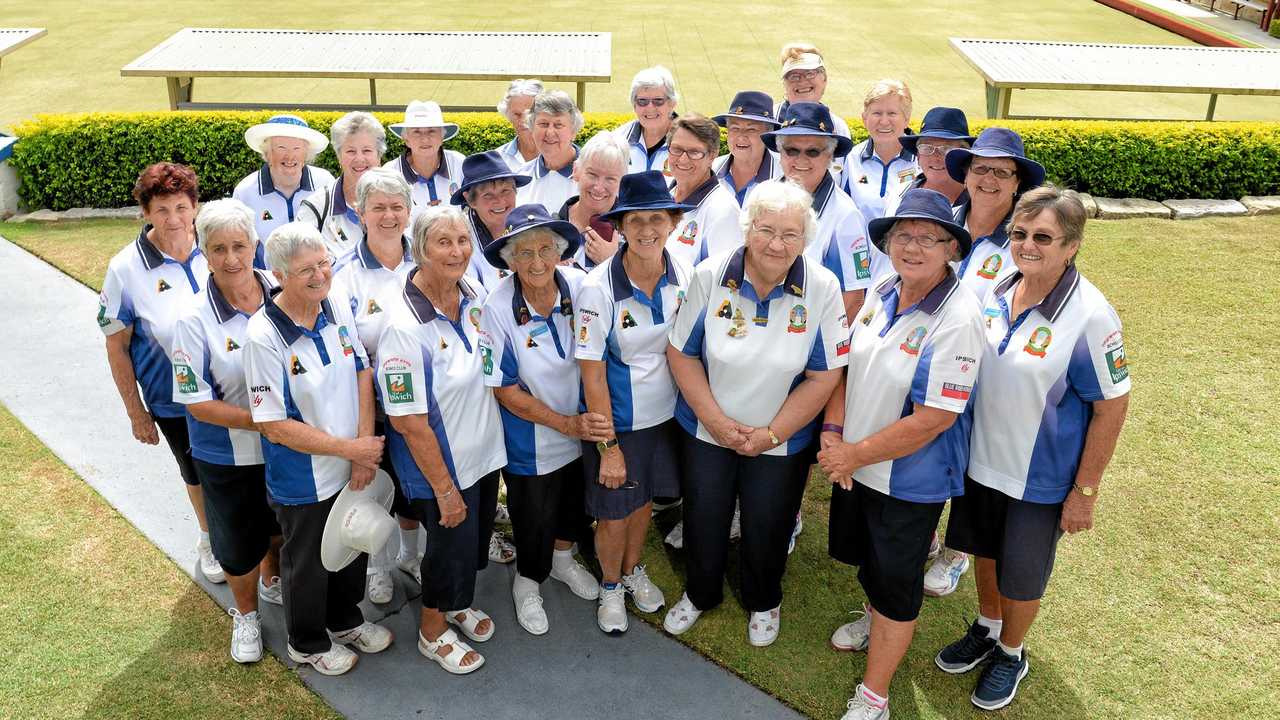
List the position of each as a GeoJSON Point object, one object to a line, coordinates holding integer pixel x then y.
{"type": "Point", "coordinates": [566, 230]}
{"type": "Point", "coordinates": [256, 135]}
{"type": "Point", "coordinates": [843, 144]}
{"type": "Point", "coordinates": [334, 555]}
{"type": "Point", "coordinates": [450, 129]}
{"type": "Point", "coordinates": [723, 119]}
{"type": "Point", "coordinates": [615, 215]}
{"type": "Point", "coordinates": [878, 228]}
{"type": "Point", "coordinates": [908, 142]}
{"type": "Point", "coordinates": [520, 180]}
{"type": "Point", "coordinates": [1030, 172]}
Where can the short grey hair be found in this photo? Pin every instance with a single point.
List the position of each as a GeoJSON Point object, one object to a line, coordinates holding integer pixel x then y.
{"type": "Point", "coordinates": [229, 215]}
{"type": "Point", "coordinates": [554, 102]}
{"type": "Point", "coordinates": [779, 196]}
{"type": "Point", "coordinates": [474, 191]}
{"type": "Point", "coordinates": [357, 122]}
{"type": "Point", "coordinates": [266, 145]}
{"type": "Point", "coordinates": [286, 241]}
{"type": "Point", "coordinates": [508, 251]}
{"type": "Point", "coordinates": [654, 77]}
{"type": "Point", "coordinates": [384, 181]}
{"type": "Point", "coordinates": [607, 147]}
{"type": "Point", "coordinates": [1064, 203]}
{"type": "Point", "coordinates": [426, 221]}
{"type": "Point", "coordinates": [519, 88]}
{"type": "Point", "coordinates": [784, 139]}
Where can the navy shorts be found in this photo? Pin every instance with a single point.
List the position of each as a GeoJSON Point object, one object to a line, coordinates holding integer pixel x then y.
{"type": "Point", "coordinates": [1022, 537]}
{"type": "Point", "coordinates": [178, 438]}
{"type": "Point", "coordinates": [653, 466]}
{"type": "Point", "coordinates": [241, 522]}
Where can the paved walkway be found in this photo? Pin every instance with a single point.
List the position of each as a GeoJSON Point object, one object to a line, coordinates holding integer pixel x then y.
{"type": "Point", "coordinates": [64, 394]}
{"type": "Point", "coordinates": [1218, 19]}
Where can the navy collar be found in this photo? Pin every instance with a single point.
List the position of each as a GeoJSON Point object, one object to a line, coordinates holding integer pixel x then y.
{"type": "Point", "coordinates": [622, 283]}
{"type": "Point", "coordinates": [636, 132]}
{"type": "Point", "coordinates": [869, 150]}
{"type": "Point", "coordinates": [540, 165]}
{"type": "Point", "coordinates": [478, 228]}
{"type": "Point", "coordinates": [421, 306]}
{"type": "Point", "coordinates": [521, 310]}
{"type": "Point", "coordinates": [763, 172]}
{"type": "Point", "coordinates": [735, 272]}
{"type": "Point", "coordinates": [411, 176]}
{"type": "Point", "coordinates": [223, 310]}
{"type": "Point", "coordinates": [288, 329]}
{"type": "Point", "coordinates": [999, 236]}
{"type": "Point", "coordinates": [933, 301]}
{"type": "Point", "coordinates": [370, 261]}
{"type": "Point", "coordinates": [823, 194]}
{"type": "Point", "coordinates": [564, 209]}
{"type": "Point", "coordinates": [339, 204]}
{"type": "Point", "coordinates": [266, 186]}
{"type": "Point", "coordinates": [697, 196]}
{"type": "Point", "coordinates": [1051, 306]}
{"type": "Point", "coordinates": [151, 255]}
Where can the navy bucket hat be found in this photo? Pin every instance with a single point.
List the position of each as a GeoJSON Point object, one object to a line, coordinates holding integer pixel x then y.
{"type": "Point", "coordinates": [485, 167]}
{"type": "Point", "coordinates": [643, 191]}
{"type": "Point", "coordinates": [524, 218]}
{"type": "Point", "coordinates": [941, 123]}
{"type": "Point", "coordinates": [921, 204]}
{"type": "Point", "coordinates": [807, 118]}
{"type": "Point", "coordinates": [749, 105]}
{"type": "Point", "coordinates": [997, 142]}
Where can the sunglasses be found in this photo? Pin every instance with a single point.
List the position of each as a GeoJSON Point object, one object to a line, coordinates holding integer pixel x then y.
{"type": "Point", "coordinates": [795, 152]}
{"type": "Point", "coordinates": [1041, 239]}
{"type": "Point", "coordinates": [646, 102]}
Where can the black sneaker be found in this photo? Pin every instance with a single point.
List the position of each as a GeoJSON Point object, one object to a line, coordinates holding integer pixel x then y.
{"type": "Point", "coordinates": [966, 653]}
{"type": "Point", "coordinates": [999, 681]}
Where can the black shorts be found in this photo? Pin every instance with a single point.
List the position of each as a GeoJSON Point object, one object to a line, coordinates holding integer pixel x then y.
{"type": "Point", "coordinates": [888, 539]}
{"type": "Point", "coordinates": [399, 502]}
{"type": "Point", "coordinates": [1022, 537]}
{"type": "Point", "coordinates": [241, 522]}
{"type": "Point", "coordinates": [176, 435]}
{"type": "Point", "coordinates": [653, 466]}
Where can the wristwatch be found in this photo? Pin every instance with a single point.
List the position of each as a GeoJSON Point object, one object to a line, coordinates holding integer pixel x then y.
{"type": "Point", "coordinates": [773, 438]}
{"type": "Point", "coordinates": [604, 445]}
{"type": "Point", "coordinates": [1086, 490]}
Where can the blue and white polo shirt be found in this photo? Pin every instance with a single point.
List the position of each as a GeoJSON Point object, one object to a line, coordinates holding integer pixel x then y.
{"type": "Point", "coordinates": [991, 258]}
{"type": "Point", "coordinates": [870, 181]}
{"type": "Point", "coordinates": [927, 354]}
{"type": "Point", "coordinates": [433, 190]}
{"type": "Point", "coordinates": [361, 278]}
{"type": "Point", "coordinates": [1040, 375]}
{"type": "Point", "coordinates": [756, 349]}
{"type": "Point", "coordinates": [522, 348]}
{"type": "Point", "coordinates": [208, 364]}
{"type": "Point", "coordinates": [627, 329]}
{"type": "Point", "coordinates": [510, 153]}
{"type": "Point", "coordinates": [271, 207]}
{"type": "Point", "coordinates": [148, 291]}
{"type": "Point", "coordinates": [770, 169]}
{"type": "Point", "coordinates": [431, 365]}
{"type": "Point", "coordinates": [640, 158]}
{"type": "Point", "coordinates": [308, 375]}
{"type": "Point", "coordinates": [339, 224]}
{"type": "Point", "coordinates": [711, 228]}
{"type": "Point", "coordinates": [549, 187]}
{"type": "Point", "coordinates": [841, 244]}
{"type": "Point", "coordinates": [479, 269]}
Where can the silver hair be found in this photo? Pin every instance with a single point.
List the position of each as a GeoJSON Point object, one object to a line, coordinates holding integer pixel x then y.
{"type": "Point", "coordinates": [508, 251]}
{"type": "Point", "coordinates": [831, 142]}
{"type": "Point", "coordinates": [554, 102]}
{"type": "Point", "coordinates": [779, 196]}
{"type": "Point", "coordinates": [519, 88]}
{"type": "Point", "coordinates": [384, 181]}
{"type": "Point", "coordinates": [474, 191]}
{"type": "Point", "coordinates": [426, 221]}
{"type": "Point", "coordinates": [223, 216]}
{"type": "Point", "coordinates": [286, 241]}
{"type": "Point", "coordinates": [654, 77]}
{"type": "Point", "coordinates": [266, 144]}
{"type": "Point", "coordinates": [357, 122]}
{"type": "Point", "coordinates": [606, 146]}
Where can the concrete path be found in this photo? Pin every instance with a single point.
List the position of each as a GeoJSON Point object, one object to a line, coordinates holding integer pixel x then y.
{"type": "Point", "coordinates": [56, 381]}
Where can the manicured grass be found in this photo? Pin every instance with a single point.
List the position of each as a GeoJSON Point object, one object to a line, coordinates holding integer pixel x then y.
{"type": "Point", "coordinates": [80, 249]}
{"type": "Point", "coordinates": [715, 48]}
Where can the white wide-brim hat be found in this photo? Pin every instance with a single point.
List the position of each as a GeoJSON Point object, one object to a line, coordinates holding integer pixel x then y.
{"type": "Point", "coordinates": [285, 126]}
{"type": "Point", "coordinates": [359, 522]}
{"type": "Point", "coordinates": [424, 114]}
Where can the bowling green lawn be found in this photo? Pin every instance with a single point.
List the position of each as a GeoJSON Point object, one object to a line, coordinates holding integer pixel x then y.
{"type": "Point", "coordinates": [1166, 609]}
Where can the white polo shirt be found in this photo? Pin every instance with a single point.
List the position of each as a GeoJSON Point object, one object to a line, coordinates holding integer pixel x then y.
{"type": "Point", "coordinates": [841, 244]}
{"type": "Point", "coordinates": [926, 354]}
{"type": "Point", "coordinates": [149, 291]}
{"type": "Point", "coordinates": [362, 279]}
{"type": "Point", "coordinates": [870, 181]}
{"type": "Point", "coordinates": [1040, 375]}
{"type": "Point", "coordinates": [479, 269]}
{"type": "Point", "coordinates": [521, 347]}
{"type": "Point", "coordinates": [711, 228]}
{"type": "Point", "coordinates": [991, 258]}
{"type": "Point", "coordinates": [756, 350]}
{"type": "Point", "coordinates": [271, 207]}
{"type": "Point", "coordinates": [430, 365]}
{"type": "Point", "coordinates": [510, 153]}
{"type": "Point", "coordinates": [327, 210]}
{"type": "Point", "coordinates": [310, 376]}
{"type": "Point", "coordinates": [438, 188]}
{"type": "Point", "coordinates": [770, 169]}
{"type": "Point", "coordinates": [208, 364]}
{"type": "Point", "coordinates": [549, 187]}
{"type": "Point", "coordinates": [621, 325]}
{"type": "Point", "coordinates": [640, 159]}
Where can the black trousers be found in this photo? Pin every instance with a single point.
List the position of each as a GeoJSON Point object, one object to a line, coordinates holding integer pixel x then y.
{"type": "Point", "coordinates": [314, 598]}
{"type": "Point", "coordinates": [545, 508]}
{"type": "Point", "coordinates": [454, 555]}
{"type": "Point", "coordinates": [769, 489]}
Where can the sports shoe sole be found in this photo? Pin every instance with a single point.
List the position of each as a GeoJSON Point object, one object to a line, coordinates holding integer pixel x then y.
{"type": "Point", "coordinates": [848, 648]}
{"type": "Point", "coordinates": [614, 631]}
{"type": "Point", "coordinates": [940, 593]}
{"type": "Point", "coordinates": [960, 669]}
{"type": "Point", "coordinates": [1026, 668]}
{"type": "Point", "coordinates": [301, 659]}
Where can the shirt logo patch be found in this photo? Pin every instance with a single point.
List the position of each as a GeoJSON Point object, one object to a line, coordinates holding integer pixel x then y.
{"type": "Point", "coordinates": [474, 316]}
{"type": "Point", "coordinates": [582, 333]}
{"type": "Point", "coordinates": [232, 345]}
{"type": "Point", "coordinates": [799, 320]}
{"type": "Point", "coordinates": [991, 267]}
{"type": "Point", "coordinates": [372, 308]}
{"type": "Point", "coordinates": [679, 299]}
{"type": "Point", "coordinates": [739, 327]}
{"type": "Point", "coordinates": [295, 366]}
{"type": "Point", "coordinates": [443, 345]}
{"type": "Point", "coordinates": [266, 215]}
{"type": "Point", "coordinates": [627, 320]}
{"type": "Point", "coordinates": [399, 387]}
{"type": "Point", "coordinates": [842, 347]}
{"type": "Point", "coordinates": [906, 176]}
{"type": "Point", "coordinates": [689, 233]}
{"type": "Point", "coordinates": [866, 318]}
{"type": "Point", "coordinates": [345, 339]}
{"type": "Point", "coordinates": [529, 343]}
{"type": "Point", "coordinates": [1038, 343]}
{"type": "Point", "coordinates": [1117, 365]}
{"type": "Point", "coordinates": [956, 392]}
{"type": "Point", "coordinates": [725, 311]}
{"type": "Point", "coordinates": [486, 358]}
{"type": "Point", "coordinates": [182, 373]}
{"type": "Point", "coordinates": [862, 263]}
{"type": "Point", "coordinates": [911, 345]}
{"type": "Point", "coordinates": [162, 286]}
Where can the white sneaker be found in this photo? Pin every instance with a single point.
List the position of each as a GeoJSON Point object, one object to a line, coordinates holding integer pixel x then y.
{"type": "Point", "coordinates": [380, 587]}
{"type": "Point", "coordinates": [675, 538]}
{"type": "Point", "coordinates": [273, 593]}
{"type": "Point", "coordinates": [582, 583]}
{"type": "Point", "coordinates": [681, 616]}
{"type": "Point", "coordinates": [943, 576]}
{"type": "Point", "coordinates": [502, 516]}
{"type": "Point", "coordinates": [854, 636]}
{"type": "Point", "coordinates": [246, 637]}
{"type": "Point", "coordinates": [935, 545]}
{"type": "Point", "coordinates": [412, 565]}
{"type": "Point", "coordinates": [500, 549]}
{"type": "Point", "coordinates": [763, 627]}
{"type": "Point", "coordinates": [646, 596]}
{"type": "Point", "coordinates": [611, 615]}
{"type": "Point", "coordinates": [209, 565]}
{"type": "Point", "coordinates": [336, 661]}
{"type": "Point", "coordinates": [735, 526]}
{"type": "Point", "coordinates": [860, 709]}
{"type": "Point", "coordinates": [529, 611]}
{"type": "Point", "coordinates": [365, 637]}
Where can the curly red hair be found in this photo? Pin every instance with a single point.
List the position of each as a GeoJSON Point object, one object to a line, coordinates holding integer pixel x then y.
{"type": "Point", "coordinates": [165, 178]}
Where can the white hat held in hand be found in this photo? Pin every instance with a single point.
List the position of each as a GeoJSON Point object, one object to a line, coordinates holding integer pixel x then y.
{"type": "Point", "coordinates": [359, 522]}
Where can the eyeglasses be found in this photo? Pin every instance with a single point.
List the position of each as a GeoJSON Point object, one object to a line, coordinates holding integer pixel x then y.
{"type": "Point", "coordinates": [1002, 173]}
{"type": "Point", "coordinates": [1040, 239]}
{"type": "Point", "coordinates": [927, 149]}
{"type": "Point", "coordinates": [798, 75]}
{"type": "Point", "coordinates": [744, 129]}
{"type": "Point", "coordinates": [769, 234]}
{"type": "Point", "coordinates": [309, 272]}
{"type": "Point", "coordinates": [676, 151]}
{"type": "Point", "coordinates": [646, 102]}
{"type": "Point", "coordinates": [547, 252]}
{"type": "Point", "coordinates": [795, 152]}
{"type": "Point", "coordinates": [927, 242]}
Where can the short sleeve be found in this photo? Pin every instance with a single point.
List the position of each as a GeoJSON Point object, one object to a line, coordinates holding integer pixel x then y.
{"type": "Point", "coordinates": [948, 368]}
{"type": "Point", "coordinates": [497, 355]}
{"type": "Point", "coordinates": [856, 250]}
{"type": "Point", "coordinates": [192, 382]}
{"type": "Point", "coordinates": [264, 375]}
{"type": "Point", "coordinates": [688, 331]}
{"type": "Point", "coordinates": [1098, 369]}
{"type": "Point", "coordinates": [595, 322]}
{"type": "Point", "coordinates": [831, 343]}
{"type": "Point", "coordinates": [404, 373]}
{"type": "Point", "coordinates": [115, 309]}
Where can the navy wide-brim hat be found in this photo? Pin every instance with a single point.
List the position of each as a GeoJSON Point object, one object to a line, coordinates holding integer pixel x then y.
{"type": "Point", "coordinates": [806, 118]}
{"type": "Point", "coordinates": [485, 167]}
{"type": "Point", "coordinates": [997, 142]}
{"type": "Point", "coordinates": [749, 105]}
{"type": "Point", "coordinates": [921, 204]}
{"type": "Point", "coordinates": [643, 191]}
{"type": "Point", "coordinates": [524, 218]}
{"type": "Point", "coordinates": [942, 123]}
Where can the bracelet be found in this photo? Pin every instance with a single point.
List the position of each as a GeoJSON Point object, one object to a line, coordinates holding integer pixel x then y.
{"type": "Point", "coordinates": [773, 438]}
{"type": "Point", "coordinates": [441, 497]}
{"type": "Point", "coordinates": [832, 427]}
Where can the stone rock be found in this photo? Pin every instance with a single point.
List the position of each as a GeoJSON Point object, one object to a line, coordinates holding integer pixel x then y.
{"type": "Point", "coordinates": [1261, 204]}
{"type": "Point", "coordinates": [1186, 209]}
{"type": "Point", "coordinates": [127, 213]}
{"type": "Point", "coordinates": [1090, 205]}
{"type": "Point", "coordinates": [37, 216]}
{"type": "Point", "coordinates": [1130, 208]}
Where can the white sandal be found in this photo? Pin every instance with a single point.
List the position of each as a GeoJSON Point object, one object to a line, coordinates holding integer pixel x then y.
{"type": "Point", "coordinates": [452, 662]}
{"type": "Point", "coordinates": [471, 619]}
{"type": "Point", "coordinates": [762, 628]}
{"type": "Point", "coordinates": [681, 616]}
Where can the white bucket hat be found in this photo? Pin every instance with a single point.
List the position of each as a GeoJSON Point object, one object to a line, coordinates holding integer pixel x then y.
{"type": "Point", "coordinates": [285, 126]}
{"type": "Point", "coordinates": [424, 114]}
{"type": "Point", "coordinates": [359, 522]}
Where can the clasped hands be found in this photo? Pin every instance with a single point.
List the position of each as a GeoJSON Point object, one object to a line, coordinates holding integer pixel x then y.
{"type": "Point", "coordinates": [743, 439]}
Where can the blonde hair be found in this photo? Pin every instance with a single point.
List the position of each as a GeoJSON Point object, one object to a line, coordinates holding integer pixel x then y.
{"type": "Point", "coordinates": [889, 88]}
{"type": "Point", "coordinates": [793, 51]}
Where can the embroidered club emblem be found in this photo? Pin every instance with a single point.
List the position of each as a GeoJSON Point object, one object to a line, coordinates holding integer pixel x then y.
{"type": "Point", "coordinates": [798, 320]}
{"type": "Point", "coordinates": [911, 345]}
{"type": "Point", "coordinates": [1038, 343]}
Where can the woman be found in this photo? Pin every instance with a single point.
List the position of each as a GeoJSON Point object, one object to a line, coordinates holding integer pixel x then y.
{"type": "Point", "coordinates": [711, 227]}
{"type": "Point", "coordinates": [311, 395]}
{"type": "Point", "coordinates": [995, 172]}
{"type": "Point", "coordinates": [148, 287]}
{"type": "Point", "coordinates": [748, 163]}
{"type": "Point", "coordinates": [942, 130]}
{"type": "Point", "coordinates": [653, 99]}
{"type": "Point", "coordinates": [359, 141]}
{"type": "Point", "coordinates": [625, 308]}
{"type": "Point", "coordinates": [1038, 455]}
{"type": "Point", "coordinates": [487, 194]}
{"type": "Point", "coordinates": [431, 171]}
{"type": "Point", "coordinates": [525, 341]}
{"type": "Point", "coordinates": [276, 191]}
{"type": "Point", "coordinates": [445, 437]}
{"type": "Point", "coordinates": [597, 174]}
{"type": "Point", "coordinates": [514, 106]}
{"type": "Point", "coordinates": [893, 436]}
{"type": "Point", "coordinates": [749, 394]}
{"type": "Point", "coordinates": [881, 166]}
{"type": "Point", "coordinates": [208, 378]}
{"type": "Point", "coordinates": [555, 121]}
{"type": "Point", "coordinates": [804, 79]}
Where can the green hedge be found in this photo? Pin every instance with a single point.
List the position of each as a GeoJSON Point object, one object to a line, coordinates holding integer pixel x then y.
{"type": "Point", "coordinates": [92, 160]}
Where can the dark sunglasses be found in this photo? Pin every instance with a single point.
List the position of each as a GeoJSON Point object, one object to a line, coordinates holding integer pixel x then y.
{"type": "Point", "coordinates": [794, 152]}
{"type": "Point", "coordinates": [645, 102]}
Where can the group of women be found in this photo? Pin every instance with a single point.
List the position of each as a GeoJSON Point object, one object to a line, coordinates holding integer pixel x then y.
{"type": "Point", "coordinates": [630, 321]}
